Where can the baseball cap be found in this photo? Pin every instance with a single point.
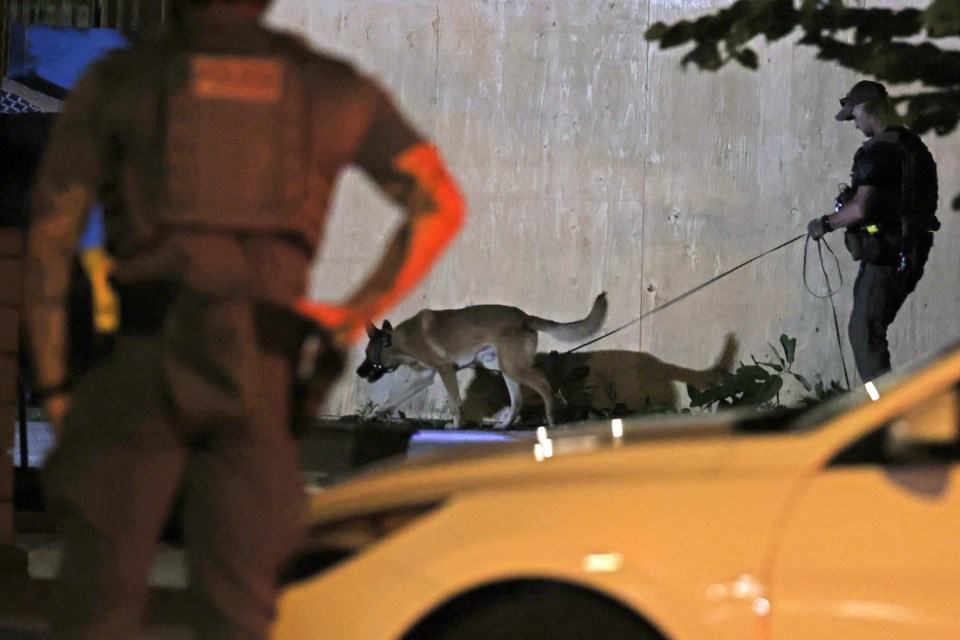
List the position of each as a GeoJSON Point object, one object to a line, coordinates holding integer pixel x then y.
{"type": "Point", "coordinates": [863, 91]}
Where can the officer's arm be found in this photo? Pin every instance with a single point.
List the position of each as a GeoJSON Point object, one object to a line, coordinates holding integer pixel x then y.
{"type": "Point", "coordinates": [51, 244]}
{"type": "Point", "coordinates": [63, 195]}
{"type": "Point", "coordinates": [856, 209]}
{"type": "Point", "coordinates": [435, 212]}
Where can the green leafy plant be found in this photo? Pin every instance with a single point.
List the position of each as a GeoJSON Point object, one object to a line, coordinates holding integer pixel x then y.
{"type": "Point", "coordinates": [368, 410]}
{"type": "Point", "coordinates": [759, 384]}
{"type": "Point", "coordinates": [573, 392]}
{"type": "Point", "coordinates": [822, 392]}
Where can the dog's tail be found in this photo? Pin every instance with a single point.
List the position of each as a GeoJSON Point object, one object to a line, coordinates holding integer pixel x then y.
{"type": "Point", "coordinates": [578, 330]}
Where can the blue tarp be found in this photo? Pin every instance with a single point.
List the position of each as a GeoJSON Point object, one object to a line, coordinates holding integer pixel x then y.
{"type": "Point", "coordinates": [59, 55]}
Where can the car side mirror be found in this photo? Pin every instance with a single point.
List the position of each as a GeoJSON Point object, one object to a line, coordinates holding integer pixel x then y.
{"type": "Point", "coordinates": [935, 422]}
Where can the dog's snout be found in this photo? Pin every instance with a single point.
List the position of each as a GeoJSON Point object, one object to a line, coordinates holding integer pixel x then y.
{"type": "Point", "coordinates": [370, 371]}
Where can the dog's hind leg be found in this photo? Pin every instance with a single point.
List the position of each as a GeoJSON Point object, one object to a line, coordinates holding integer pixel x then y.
{"type": "Point", "coordinates": [534, 379]}
{"type": "Point", "coordinates": [516, 363]}
{"type": "Point", "coordinates": [516, 402]}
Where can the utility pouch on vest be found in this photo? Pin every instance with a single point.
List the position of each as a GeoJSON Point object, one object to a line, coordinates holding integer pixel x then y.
{"type": "Point", "coordinates": [913, 255]}
{"type": "Point", "coordinates": [858, 243]}
{"type": "Point", "coordinates": [316, 362]}
{"type": "Point", "coordinates": [871, 246]}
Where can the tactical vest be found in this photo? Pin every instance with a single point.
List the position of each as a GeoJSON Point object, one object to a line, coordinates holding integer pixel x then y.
{"type": "Point", "coordinates": [909, 207]}
{"type": "Point", "coordinates": [237, 144]}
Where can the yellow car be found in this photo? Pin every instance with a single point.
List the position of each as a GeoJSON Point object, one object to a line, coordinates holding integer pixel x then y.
{"type": "Point", "coordinates": [842, 522]}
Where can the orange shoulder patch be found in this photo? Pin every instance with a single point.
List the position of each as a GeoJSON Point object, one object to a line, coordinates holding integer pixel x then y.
{"type": "Point", "coordinates": [236, 78]}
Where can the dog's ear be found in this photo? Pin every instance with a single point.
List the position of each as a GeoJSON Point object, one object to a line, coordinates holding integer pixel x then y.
{"type": "Point", "coordinates": [387, 327]}
{"type": "Point", "coordinates": [371, 330]}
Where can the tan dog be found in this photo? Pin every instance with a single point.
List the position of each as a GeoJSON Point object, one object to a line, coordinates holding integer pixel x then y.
{"type": "Point", "coordinates": [494, 336]}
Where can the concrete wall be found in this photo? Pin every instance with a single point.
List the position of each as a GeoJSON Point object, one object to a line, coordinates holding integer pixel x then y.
{"type": "Point", "coordinates": [591, 161]}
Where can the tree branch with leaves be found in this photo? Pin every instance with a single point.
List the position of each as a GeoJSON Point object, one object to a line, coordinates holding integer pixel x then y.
{"type": "Point", "coordinates": [894, 46]}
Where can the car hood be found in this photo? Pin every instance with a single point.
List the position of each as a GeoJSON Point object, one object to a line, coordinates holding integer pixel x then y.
{"type": "Point", "coordinates": [657, 451]}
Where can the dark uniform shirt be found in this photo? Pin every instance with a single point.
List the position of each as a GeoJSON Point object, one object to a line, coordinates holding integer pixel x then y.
{"type": "Point", "coordinates": [899, 166]}
{"type": "Point", "coordinates": [113, 135]}
{"type": "Point", "coordinates": [170, 137]}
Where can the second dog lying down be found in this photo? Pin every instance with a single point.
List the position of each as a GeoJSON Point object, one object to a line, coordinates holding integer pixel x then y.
{"type": "Point", "coordinates": [495, 336]}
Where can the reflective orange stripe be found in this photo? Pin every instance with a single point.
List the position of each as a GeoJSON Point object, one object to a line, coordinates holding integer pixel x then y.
{"type": "Point", "coordinates": [237, 78]}
{"type": "Point", "coordinates": [328, 315]}
{"type": "Point", "coordinates": [433, 230]}
{"type": "Point", "coordinates": [430, 231]}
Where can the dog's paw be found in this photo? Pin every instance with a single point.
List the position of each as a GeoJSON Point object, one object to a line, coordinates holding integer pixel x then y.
{"type": "Point", "coordinates": [450, 426]}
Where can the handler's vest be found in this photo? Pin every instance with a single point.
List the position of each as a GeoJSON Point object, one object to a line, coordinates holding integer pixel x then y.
{"type": "Point", "coordinates": [237, 142]}
{"type": "Point", "coordinates": [907, 208]}
{"type": "Point", "coordinates": [910, 206]}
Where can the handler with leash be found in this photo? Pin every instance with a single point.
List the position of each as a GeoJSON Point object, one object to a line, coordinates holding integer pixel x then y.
{"type": "Point", "coordinates": [889, 213]}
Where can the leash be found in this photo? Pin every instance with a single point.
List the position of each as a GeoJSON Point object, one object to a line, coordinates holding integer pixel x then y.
{"type": "Point", "coordinates": [691, 292]}
{"type": "Point", "coordinates": [830, 293]}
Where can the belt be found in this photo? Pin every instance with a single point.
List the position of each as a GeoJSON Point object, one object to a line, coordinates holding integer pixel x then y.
{"type": "Point", "coordinates": [144, 307]}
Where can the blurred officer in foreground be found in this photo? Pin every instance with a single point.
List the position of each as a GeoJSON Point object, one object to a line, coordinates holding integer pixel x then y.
{"type": "Point", "coordinates": [214, 151]}
{"type": "Point", "coordinates": [889, 212]}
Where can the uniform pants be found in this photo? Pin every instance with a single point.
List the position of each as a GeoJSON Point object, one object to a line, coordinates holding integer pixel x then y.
{"type": "Point", "coordinates": [115, 472]}
{"type": "Point", "coordinates": [878, 294]}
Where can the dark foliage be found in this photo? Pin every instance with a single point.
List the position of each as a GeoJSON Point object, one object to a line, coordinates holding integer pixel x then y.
{"type": "Point", "coordinates": [893, 46]}
{"type": "Point", "coordinates": [759, 384]}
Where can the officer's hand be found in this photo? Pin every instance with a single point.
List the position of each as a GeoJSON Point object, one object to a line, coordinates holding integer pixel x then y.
{"type": "Point", "coordinates": [345, 323]}
{"type": "Point", "coordinates": [817, 228]}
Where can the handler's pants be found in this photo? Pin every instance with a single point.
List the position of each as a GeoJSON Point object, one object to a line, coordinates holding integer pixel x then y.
{"type": "Point", "coordinates": [878, 294]}
{"type": "Point", "coordinates": [114, 475]}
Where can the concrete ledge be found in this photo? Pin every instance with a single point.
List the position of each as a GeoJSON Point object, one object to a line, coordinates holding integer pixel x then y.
{"type": "Point", "coordinates": [331, 447]}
